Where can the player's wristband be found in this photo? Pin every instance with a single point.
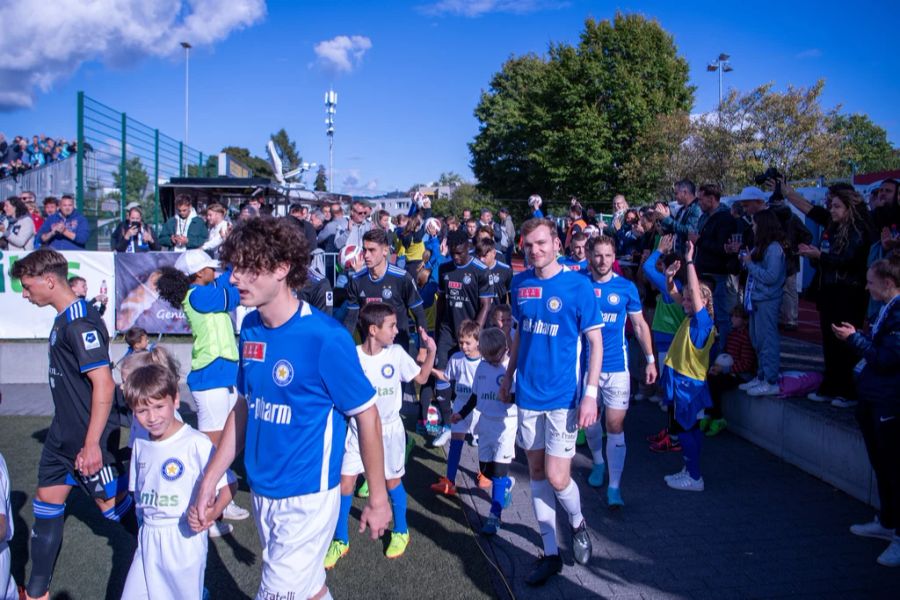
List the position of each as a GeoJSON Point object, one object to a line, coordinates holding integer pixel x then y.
{"type": "Point", "coordinates": [590, 390]}
{"type": "Point", "coordinates": [650, 359]}
{"type": "Point", "coordinates": [689, 262]}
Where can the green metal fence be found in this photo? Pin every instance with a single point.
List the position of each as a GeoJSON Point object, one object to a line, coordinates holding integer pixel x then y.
{"type": "Point", "coordinates": [121, 160]}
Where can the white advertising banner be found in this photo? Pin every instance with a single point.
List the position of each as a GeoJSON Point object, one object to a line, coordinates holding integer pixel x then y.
{"type": "Point", "coordinates": [20, 319]}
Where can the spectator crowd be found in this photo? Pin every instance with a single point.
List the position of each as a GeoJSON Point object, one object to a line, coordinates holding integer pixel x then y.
{"type": "Point", "coordinates": [22, 154]}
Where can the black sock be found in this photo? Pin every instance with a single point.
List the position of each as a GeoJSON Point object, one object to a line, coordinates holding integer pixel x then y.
{"type": "Point", "coordinates": [46, 539]}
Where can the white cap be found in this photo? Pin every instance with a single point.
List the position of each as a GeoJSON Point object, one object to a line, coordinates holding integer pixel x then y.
{"type": "Point", "coordinates": [194, 261]}
{"type": "Point", "coordinates": [752, 193]}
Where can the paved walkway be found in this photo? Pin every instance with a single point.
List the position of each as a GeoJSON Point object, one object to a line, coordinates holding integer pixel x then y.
{"type": "Point", "coordinates": [762, 529]}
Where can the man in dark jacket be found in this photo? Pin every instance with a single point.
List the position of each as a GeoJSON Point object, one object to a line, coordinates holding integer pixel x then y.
{"type": "Point", "coordinates": [185, 230]}
{"type": "Point", "coordinates": [796, 233]}
{"type": "Point", "coordinates": [714, 230]}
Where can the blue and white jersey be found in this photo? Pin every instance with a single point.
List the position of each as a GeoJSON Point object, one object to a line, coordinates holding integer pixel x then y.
{"type": "Point", "coordinates": [617, 298]}
{"type": "Point", "coordinates": [574, 265]}
{"type": "Point", "coordinates": [552, 314]}
{"type": "Point", "coordinates": [300, 381]}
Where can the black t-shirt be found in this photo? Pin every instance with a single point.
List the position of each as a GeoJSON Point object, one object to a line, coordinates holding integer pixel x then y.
{"type": "Point", "coordinates": [396, 288]}
{"type": "Point", "coordinates": [500, 277]}
{"type": "Point", "coordinates": [79, 343]}
{"type": "Point", "coordinates": [461, 290]}
{"type": "Point", "coordinates": [318, 292]}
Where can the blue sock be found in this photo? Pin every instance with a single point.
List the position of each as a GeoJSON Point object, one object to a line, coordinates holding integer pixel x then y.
{"type": "Point", "coordinates": [690, 444]}
{"type": "Point", "coordinates": [398, 502]}
{"type": "Point", "coordinates": [498, 494]}
{"type": "Point", "coordinates": [342, 529]}
{"type": "Point", "coordinates": [453, 457]}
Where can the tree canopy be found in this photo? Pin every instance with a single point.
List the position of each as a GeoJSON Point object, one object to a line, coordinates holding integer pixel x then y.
{"type": "Point", "coordinates": [568, 124]}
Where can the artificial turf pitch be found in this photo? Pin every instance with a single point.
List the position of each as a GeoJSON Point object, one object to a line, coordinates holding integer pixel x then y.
{"type": "Point", "coordinates": [443, 559]}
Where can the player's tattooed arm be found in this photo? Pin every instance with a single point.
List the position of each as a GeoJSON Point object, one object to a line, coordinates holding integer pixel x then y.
{"type": "Point", "coordinates": [90, 460]}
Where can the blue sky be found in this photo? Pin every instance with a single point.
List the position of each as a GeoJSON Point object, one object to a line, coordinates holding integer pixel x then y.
{"type": "Point", "coordinates": [405, 105]}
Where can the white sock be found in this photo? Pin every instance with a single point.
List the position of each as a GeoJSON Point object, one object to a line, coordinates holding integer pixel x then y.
{"type": "Point", "coordinates": [571, 501]}
{"type": "Point", "coordinates": [615, 453]}
{"type": "Point", "coordinates": [594, 435]}
{"type": "Point", "coordinates": [545, 512]}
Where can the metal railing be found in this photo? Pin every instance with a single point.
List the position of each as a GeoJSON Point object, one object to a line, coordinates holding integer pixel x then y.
{"type": "Point", "coordinates": [52, 179]}
{"type": "Point", "coordinates": [121, 160]}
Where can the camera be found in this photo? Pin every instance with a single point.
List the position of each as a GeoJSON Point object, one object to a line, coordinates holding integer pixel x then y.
{"type": "Point", "coordinates": [773, 174]}
{"type": "Point", "coordinates": [134, 224]}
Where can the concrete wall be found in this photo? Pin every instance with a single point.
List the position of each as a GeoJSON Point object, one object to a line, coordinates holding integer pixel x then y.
{"type": "Point", "coordinates": [828, 449]}
{"type": "Point", "coordinates": [26, 361]}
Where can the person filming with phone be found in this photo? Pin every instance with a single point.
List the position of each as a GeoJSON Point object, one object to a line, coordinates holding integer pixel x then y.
{"type": "Point", "coordinates": [133, 235]}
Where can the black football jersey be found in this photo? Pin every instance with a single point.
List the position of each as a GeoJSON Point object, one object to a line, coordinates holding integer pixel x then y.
{"type": "Point", "coordinates": [79, 343]}
{"type": "Point", "coordinates": [500, 276]}
{"type": "Point", "coordinates": [318, 293]}
{"type": "Point", "coordinates": [460, 290]}
{"type": "Point", "coordinates": [396, 288]}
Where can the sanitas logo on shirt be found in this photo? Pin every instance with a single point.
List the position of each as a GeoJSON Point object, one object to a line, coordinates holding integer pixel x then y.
{"type": "Point", "coordinates": [152, 498]}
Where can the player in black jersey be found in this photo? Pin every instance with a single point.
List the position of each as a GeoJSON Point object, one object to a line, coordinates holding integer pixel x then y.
{"type": "Point", "coordinates": [318, 292]}
{"type": "Point", "coordinates": [381, 281]}
{"type": "Point", "coordinates": [82, 445]}
{"type": "Point", "coordinates": [499, 273]}
{"type": "Point", "coordinates": [464, 292]}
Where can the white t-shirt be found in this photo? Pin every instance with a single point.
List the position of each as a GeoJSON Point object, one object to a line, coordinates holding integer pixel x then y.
{"type": "Point", "coordinates": [164, 475]}
{"type": "Point", "coordinates": [487, 387]}
{"type": "Point", "coordinates": [385, 371]}
{"type": "Point", "coordinates": [5, 507]}
{"type": "Point", "coordinates": [461, 371]}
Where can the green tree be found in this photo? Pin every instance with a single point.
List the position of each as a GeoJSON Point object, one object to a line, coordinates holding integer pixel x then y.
{"type": "Point", "coordinates": [466, 196]}
{"type": "Point", "coordinates": [287, 149]}
{"type": "Point", "coordinates": [864, 145]}
{"type": "Point", "coordinates": [136, 180]}
{"type": "Point", "coordinates": [568, 124]}
{"type": "Point", "coordinates": [259, 166]}
{"type": "Point", "coordinates": [450, 178]}
{"type": "Point", "coordinates": [321, 184]}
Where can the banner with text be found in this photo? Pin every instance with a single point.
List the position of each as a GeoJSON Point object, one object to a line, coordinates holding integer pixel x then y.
{"type": "Point", "coordinates": [137, 299]}
{"type": "Point", "coordinates": [20, 319]}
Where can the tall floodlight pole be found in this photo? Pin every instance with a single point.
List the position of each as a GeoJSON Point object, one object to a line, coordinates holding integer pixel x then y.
{"type": "Point", "coordinates": [187, 54]}
{"type": "Point", "coordinates": [721, 65]}
{"type": "Point", "coordinates": [330, 106]}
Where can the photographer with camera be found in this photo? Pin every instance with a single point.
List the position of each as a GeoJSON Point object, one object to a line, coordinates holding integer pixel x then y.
{"type": "Point", "coordinates": [132, 234]}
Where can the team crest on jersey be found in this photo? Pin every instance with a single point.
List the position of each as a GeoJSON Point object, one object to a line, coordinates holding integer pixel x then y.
{"type": "Point", "coordinates": [386, 293]}
{"type": "Point", "coordinates": [554, 304]}
{"type": "Point", "coordinates": [53, 338]}
{"type": "Point", "coordinates": [500, 379]}
{"type": "Point", "coordinates": [91, 340]}
{"type": "Point", "coordinates": [172, 469]}
{"type": "Point", "coordinates": [527, 293]}
{"type": "Point", "coordinates": [283, 373]}
{"type": "Point", "coordinates": [255, 351]}
{"type": "Point", "coordinates": [613, 299]}
{"type": "Point", "coordinates": [329, 298]}
{"type": "Point", "coordinates": [387, 371]}
{"type": "Point", "coordinates": [467, 279]}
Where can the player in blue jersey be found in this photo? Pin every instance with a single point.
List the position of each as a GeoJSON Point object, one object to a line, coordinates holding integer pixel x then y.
{"type": "Point", "coordinates": [618, 300]}
{"type": "Point", "coordinates": [300, 380]}
{"type": "Point", "coordinates": [577, 259]}
{"type": "Point", "coordinates": [555, 307]}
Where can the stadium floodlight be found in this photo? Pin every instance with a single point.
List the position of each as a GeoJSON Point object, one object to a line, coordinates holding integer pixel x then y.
{"type": "Point", "coordinates": [330, 109]}
{"type": "Point", "coordinates": [721, 65]}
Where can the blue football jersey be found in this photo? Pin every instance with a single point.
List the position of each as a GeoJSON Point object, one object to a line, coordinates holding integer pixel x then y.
{"type": "Point", "coordinates": [617, 298]}
{"type": "Point", "coordinates": [574, 265]}
{"type": "Point", "coordinates": [552, 314]}
{"type": "Point", "coordinates": [301, 382]}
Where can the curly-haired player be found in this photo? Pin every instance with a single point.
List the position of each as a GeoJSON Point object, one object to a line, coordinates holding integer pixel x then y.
{"type": "Point", "coordinates": [300, 378]}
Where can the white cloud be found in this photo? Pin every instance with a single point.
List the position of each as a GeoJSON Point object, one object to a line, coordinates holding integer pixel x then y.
{"type": "Point", "coordinates": [342, 53]}
{"type": "Point", "coordinates": [810, 53]}
{"type": "Point", "coordinates": [115, 32]}
{"type": "Point", "coordinates": [354, 185]}
{"type": "Point", "coordinates": [477, 8]}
